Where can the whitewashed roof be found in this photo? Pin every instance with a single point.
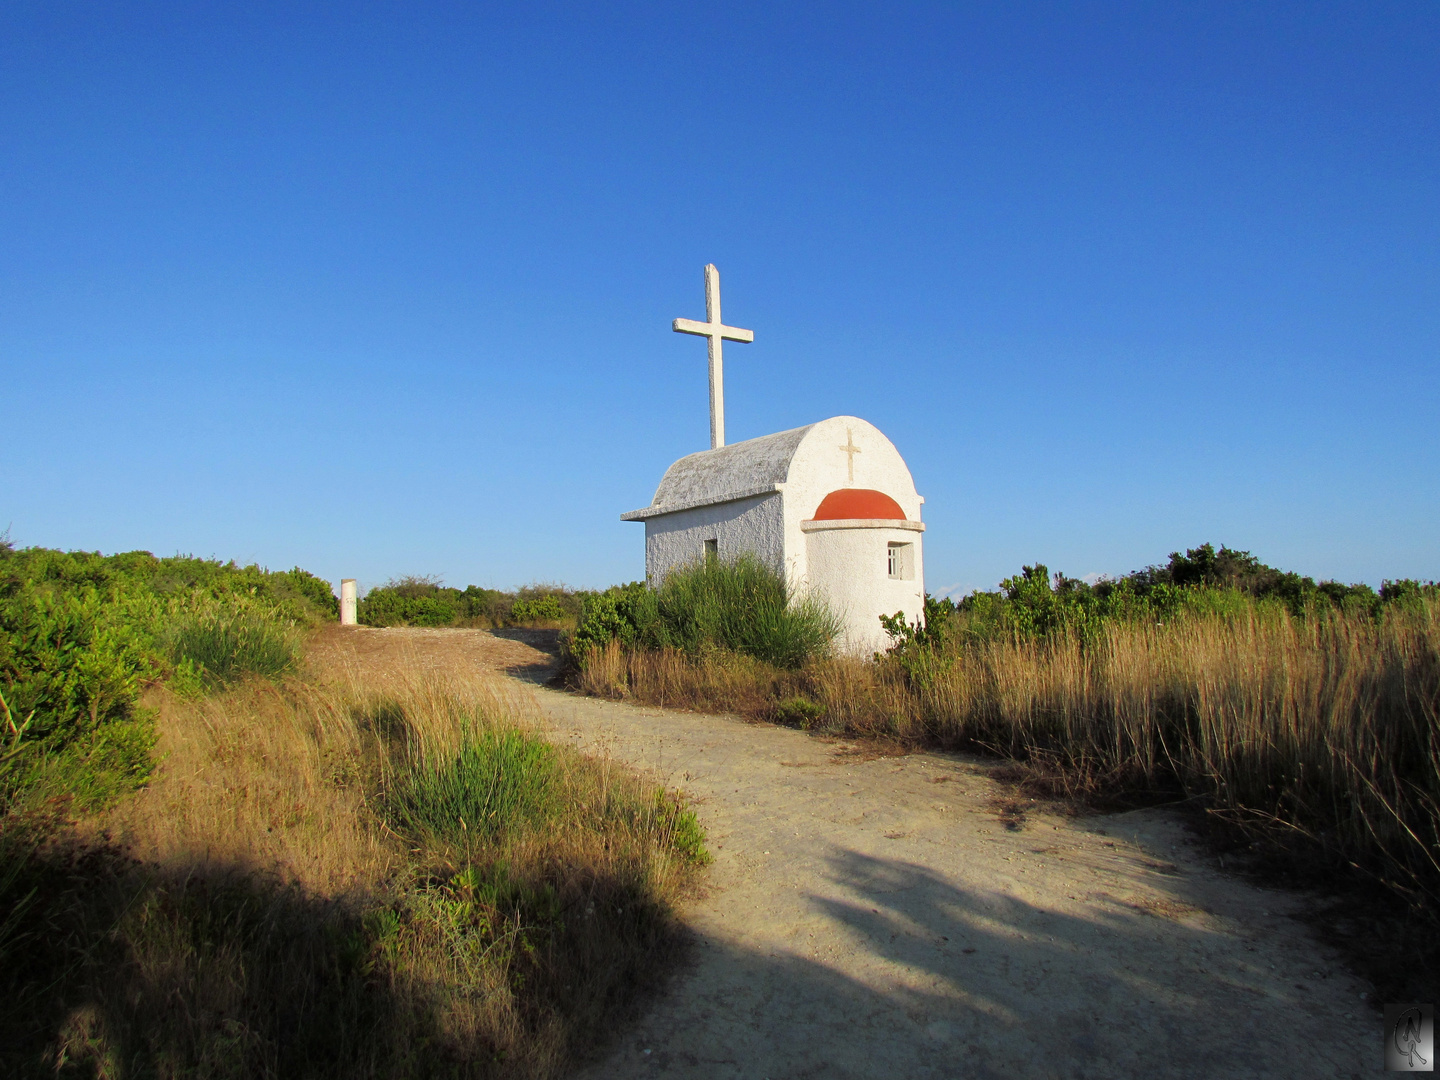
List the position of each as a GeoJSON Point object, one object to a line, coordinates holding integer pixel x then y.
{"type": "Point", "coordinates": [738, 471]}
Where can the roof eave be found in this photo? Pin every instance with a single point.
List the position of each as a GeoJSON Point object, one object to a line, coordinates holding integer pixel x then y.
{"type": "Point", "coordinates": [648, 512]}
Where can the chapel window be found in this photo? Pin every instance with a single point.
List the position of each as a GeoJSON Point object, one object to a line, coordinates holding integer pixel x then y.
{"type": "Point", "coordinates": [899, 561]}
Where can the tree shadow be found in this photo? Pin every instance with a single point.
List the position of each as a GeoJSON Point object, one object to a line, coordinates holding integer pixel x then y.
{"type": "Point", "coordinates": [538, 672]}
{"type": "Point", "coordinates": [935, 980]}
{"type": "Point", "coordinates": [112, 967]}
{"type": "Point", "coordinates": [120, 968]}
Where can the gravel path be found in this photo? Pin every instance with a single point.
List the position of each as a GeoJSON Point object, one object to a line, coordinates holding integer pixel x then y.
{"type": "Point", "coordinates": [875, 917]}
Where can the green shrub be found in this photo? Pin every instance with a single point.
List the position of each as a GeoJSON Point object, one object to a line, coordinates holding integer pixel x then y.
{"type": "Point", "coordinates": [90, 768]}
{"type": "Point", "coordinates": [382, 607]}
{"type": "Point", "coordinates": [798, 712]}
{"type": "Point", "coordinates": [485, 605]}
{"type": "Point", "coordinates": [314, 590]}
{"type": "Point", "coordinates": [544, 608]}
{"type": "Point", "coordinates": [410, 601]}
{"type": "Point", "coordinates": [623, 613]}
{"type": "Point", "coordinates": [741, 605]}
{"type": "Point", "coordinates": [1202, 582]}
{"type": "Point", "coordinates": [224, 645]}
{"type": "Point", "coordinates": [81, 634]}
{"type": "Point", "coordinates": [1409, 594]}
{"type": "Point", "coordinates": [423, 601]}
{"type": "Point", "coordinates": [67, 659]}
{"type": "Point", "coordinates": [498, 781]}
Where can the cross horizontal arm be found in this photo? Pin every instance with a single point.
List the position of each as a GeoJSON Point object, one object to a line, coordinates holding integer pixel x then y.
{"type": "Point", "coordinates": [705, 329]}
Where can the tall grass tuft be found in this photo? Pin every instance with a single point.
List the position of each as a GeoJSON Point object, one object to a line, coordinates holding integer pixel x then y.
{"type": "Point", "coordinates": [745, 606]}
{"type": "Point", "coordinates": [499, 780]}
{"type": "Point", "coordinates": [222, 646]}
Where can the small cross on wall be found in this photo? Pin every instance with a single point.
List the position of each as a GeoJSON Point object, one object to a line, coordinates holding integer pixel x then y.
{"type": "Point", "coordinates": [851, 449]}
{"type": "Point", "coordinates": [717, 332]}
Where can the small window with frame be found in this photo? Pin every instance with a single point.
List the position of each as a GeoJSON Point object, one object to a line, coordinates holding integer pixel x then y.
{"type": "Point", "coordinates": [900, 561]}
{"type": "Point", "coordinates": [712, 550]}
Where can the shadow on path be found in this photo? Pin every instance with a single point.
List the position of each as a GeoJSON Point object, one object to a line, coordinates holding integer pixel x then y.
{"type": "Point", "coordinates": [893, 970]}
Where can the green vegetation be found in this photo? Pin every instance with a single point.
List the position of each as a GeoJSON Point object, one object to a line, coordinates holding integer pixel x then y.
{"type": "Point", "coordinates": [1311, 722]}
{"type": "Point", "coordinates": [742, 606]}
{"type": "Point", "coordinates": [1227, 584]}
{"type": "Point", "coordinates": [498, 779]}
{"type": "Point", "coordinates": [798, 712]}
{"type": "Point", "coordinates": [82, 634]}
{"type": "Point", "coordinates": [220, 645]}
{"type": "Point", "coordinates": [423, 601]}
{"type": "Point", "coordinates": [357, 879]}
{"type": "Point", "coordinates": [491, 920]}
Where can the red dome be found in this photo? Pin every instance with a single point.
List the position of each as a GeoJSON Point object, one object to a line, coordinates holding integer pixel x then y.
{"type": "Point", "coordinates": [850, 503]}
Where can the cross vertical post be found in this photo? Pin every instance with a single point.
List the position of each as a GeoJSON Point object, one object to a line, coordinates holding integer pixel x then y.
{"type": "Point", "coordinates": [714, 346]}
{"type": "Point", "coordinates": [716, 332]}
{"type": "Point", "coordinates": [850, 450]}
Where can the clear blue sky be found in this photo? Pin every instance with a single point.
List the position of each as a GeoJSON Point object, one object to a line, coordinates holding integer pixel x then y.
{"type": "Point", "coordinates": [384, 289]}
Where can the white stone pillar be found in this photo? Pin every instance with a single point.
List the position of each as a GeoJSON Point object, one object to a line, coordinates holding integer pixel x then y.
{"type": "Point", "coordinates": [347, 602]}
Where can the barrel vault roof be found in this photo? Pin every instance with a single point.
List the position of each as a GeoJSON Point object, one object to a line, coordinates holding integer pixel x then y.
{"type": "Point", "coordinates": [737, 471]}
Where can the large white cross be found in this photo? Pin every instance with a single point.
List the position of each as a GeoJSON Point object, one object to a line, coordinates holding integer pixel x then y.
{"type": "Point", "coordinates": [716, 331]}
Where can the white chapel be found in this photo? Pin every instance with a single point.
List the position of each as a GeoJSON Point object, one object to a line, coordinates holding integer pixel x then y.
{"type": "Point", "coordinates": [831, 505]}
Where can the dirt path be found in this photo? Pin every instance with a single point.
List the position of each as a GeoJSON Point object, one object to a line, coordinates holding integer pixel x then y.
{"type": "Point", "coordinates": [875, 917]}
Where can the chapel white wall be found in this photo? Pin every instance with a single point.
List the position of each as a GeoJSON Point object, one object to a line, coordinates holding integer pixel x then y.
{"type": "Point", "coordinates": [755, 525]}
{"type": "Point", "coordinates": [848, 568]}
{"type": "Point", "coordinates": [819, 467]}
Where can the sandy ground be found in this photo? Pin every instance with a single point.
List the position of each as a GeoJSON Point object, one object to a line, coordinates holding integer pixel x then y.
{"type": "Point", "coordinates": [875, 916]}
{"type": "Point", "coordinates": [524, 654]}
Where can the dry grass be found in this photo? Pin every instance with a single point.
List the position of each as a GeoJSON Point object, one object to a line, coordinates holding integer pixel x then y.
{"type": "Point", "coordinates": [258, 911]}
{"type": "Point", "coordinates": [262, 778]}
{"type": "Point", "coordinates": [728, 681]}
{"type": "Point", "coordinates": [1322, 733]}
{"type": "Point", "coordinates": [1326, 727]}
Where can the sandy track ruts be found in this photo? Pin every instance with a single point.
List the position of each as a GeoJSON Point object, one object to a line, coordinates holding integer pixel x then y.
{"type": "Point", "coordinates": [873, 917]}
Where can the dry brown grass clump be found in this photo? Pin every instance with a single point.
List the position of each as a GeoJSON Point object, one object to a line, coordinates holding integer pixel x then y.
{"type": "Point", "coordinates": [716, 680]}
{"type": "Point", "coordinates": [262, 778]}
{"type": "Point", "coordinates": [293, 894]}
